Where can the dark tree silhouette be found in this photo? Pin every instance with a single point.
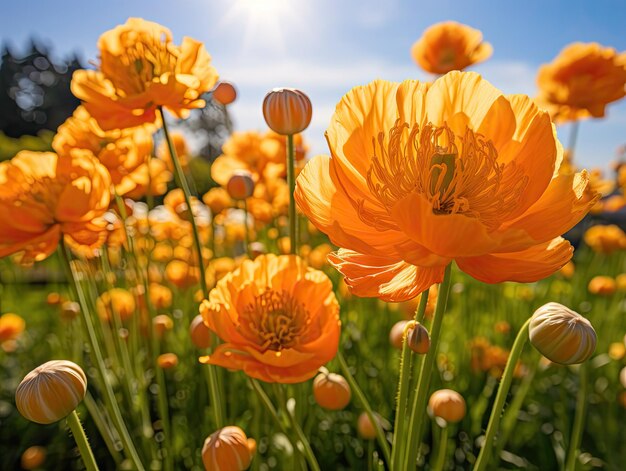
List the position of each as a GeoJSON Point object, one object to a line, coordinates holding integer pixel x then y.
{"type": "Point", "coordinates": [35, 91]}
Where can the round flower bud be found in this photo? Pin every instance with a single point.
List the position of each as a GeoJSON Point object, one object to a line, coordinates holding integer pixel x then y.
{"type": "Point", "coordinates": [200, 333]}
{"type": "Point", "coordinates": [33, 457]}
{"type": "Point", "coordinates": [447, 404]}
{"type": "Point", "coordinates": [418, 339]}
{"type": "Point", "coordinates": [396, 334]}
{"type": "Point", "coordinates": [241, 185]}
{"type": "Point", "coordinates": [51, 391]}
{"type": "Point", "coordinates": [225, 93]}
{"type": "Point", "coordinates": [287, 111]}
{"type": "Point", "coordinates": [162, 323]}
{"type": "Point", "coordinates": [70, 310]}
{"type": "Point", "coordinates": [365, 427]}
{"type": "Point", "coordinates": [562, 335]}
{"type": "Point", "coordinates": [331, 391]}
{"type": "Point", "coordinates": [167, 361]}
{"type": "Point", "coordinates": [226, 450]}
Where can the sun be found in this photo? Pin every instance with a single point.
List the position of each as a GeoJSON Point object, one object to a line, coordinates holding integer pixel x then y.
{"type": "Point", "coordinates": [264, 23]}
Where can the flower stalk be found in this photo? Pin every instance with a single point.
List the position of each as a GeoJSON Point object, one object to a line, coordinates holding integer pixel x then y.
{"type": "Point", "coordinates": [418, 409]}
{"type": "Point", "coordinates": [81, 440]}
{"type": "Point", "coordinates": [503, 390]}
{"type": "Point", "coordinates": [216, 402]}
{"type": "Point", "coordinates": [291, 181]}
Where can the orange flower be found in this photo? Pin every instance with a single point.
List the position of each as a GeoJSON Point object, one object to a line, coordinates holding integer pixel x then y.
{"type": "Point", "coordinates": [44, 196]}
{"type": "Point", "coordinates": [581, 81]}
{"type": "Point", "coordinates": [605, 239]}
{"type": "Point", "coordinates": [152, 177]}
{"type": "Point", "coordinates": [11, 326]}
{"type": "Point", "coordinates": [121, 151]}
{"type": "Point", "coordinates": [140, 70]}
{"type": "Point", "coordinates": [422, 175]}
{"type": "Point", "coordinates": [279, 319]}
{"type": "Point", "coordinates": [263, 155]}
{"type": "Point", "coordinates": [450, 46]}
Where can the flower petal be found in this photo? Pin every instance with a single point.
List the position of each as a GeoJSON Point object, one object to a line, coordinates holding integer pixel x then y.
{"type": "Point", "coordinates": [526, 266]}
{"type": "Point", "coordinates": [382, 277]}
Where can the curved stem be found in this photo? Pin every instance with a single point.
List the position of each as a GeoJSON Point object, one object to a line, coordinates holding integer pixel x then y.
{"type": "Point", "coordinates": [108, 394]}
{"type": "Point", "coordinates": [423, 383]}
{"type": "Point", "coordinates": [397, 445]}
{"type": "Point", "coordinates": [503, 391]}
{"type": "Point", "coordinates": [291, 181]}
{"type": "Point", "coordinates": [380, 435]}
{"type": "Point", "coordinates": [579, 420]}
{"type": "Point", "coordinates": [440, 459]}
{"type": "Point", "coordinates": [246, 228]}
{"type": "Point", "coordinates": [216, 404]}
{"type": "Point", "coordinates": [81, 440]}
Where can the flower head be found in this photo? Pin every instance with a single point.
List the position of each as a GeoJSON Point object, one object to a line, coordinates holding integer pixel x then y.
{"type": "Point", "coordinates": [121, 151]}
{"type": "Point", "coordinates": [450, 46]}
{"type": "Point", "coordinates": [447, 404]}
{"type": "Point", "coordinates": [51, 391]}
{"type": "Point", "coordinates": [581, 81]}
{"type": "Point", "coordinates": [141, 69]}
{"type": "Point", "coordinates": [422, 175]}
{"type": "Point", "coordinates": [287, 111]}
{"type": "Point", "coordinates": [279, 319]}
{"type": "Point", "coordinates": [44, 196]}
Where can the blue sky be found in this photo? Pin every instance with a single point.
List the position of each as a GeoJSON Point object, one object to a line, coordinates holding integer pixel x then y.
{"type": "Point", "coordinates": [324, 47]}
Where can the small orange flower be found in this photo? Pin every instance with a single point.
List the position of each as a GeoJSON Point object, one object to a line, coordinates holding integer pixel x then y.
{"type": "Point", "coordinates": [421, 175]}
{"type": "Point", "coordinates": [121, 151]}
{"type": "Point", "coordinates": [141, 69]}
{"type": "Point", "coordinates": [605, 239]}
{"type": "Point", "coordinates": [44, 196]}
{"type": "Point", "coordinates": [602, 285]}
{"type": "Point", "coordinates": [581, 81]}
{"type": "Point", "coordinates": [279, 319]}
{"type": "Point", "coordinates": [116, 301]}
{"type": "Point", "coordinates": [167, 360]}
{"type": "Point", "coordinates": [11, 326]}
{"type": "Point", "coordinates": [217, 199]}
{"type": "Point", "coordinates": [450, 46]}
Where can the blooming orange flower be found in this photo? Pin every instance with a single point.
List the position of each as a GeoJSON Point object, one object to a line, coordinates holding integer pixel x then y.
{"type": "Point", "coordinates": [422, 175]}
{"type": "Point", "coordinates": [141, 69]}
{"type": "Point", "coordinates": [121, 151]}
{"type": "Point", "coordinates": [450, 46]}
{"type": "Point", "coordinates": [11, 326]}
{"type": "Point", "coordinates": [44, 196]}
{"type": "Point", "coordinates": [151, 177]}
{"type": "Point", "coordinates": [263, 155]}
{"type": "Point", "coordinates": [581, 81]}
{"type": "Point", "coordinates": [605, 239]}
{"type": "Point", "coordinates": [278, 318]}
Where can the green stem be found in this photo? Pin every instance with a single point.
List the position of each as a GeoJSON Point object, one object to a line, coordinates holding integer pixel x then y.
{"type": "Point", "coordinates": [579, 420]}
{"type": "Point", "coordinates": [380, 434]}
{"type": "Point", "coordinates": [397, 446]}
{"type": "Point", "coordinates": [267, 402]}
{"type": "Point", "coordinates": [440, 459]}
{"type": "Point", "coordinates": [108, 394]}
{"type": "Point", "coordinates": [418, 409]}
{"type": "Point", "coordinates": [503, 391]}
{"type": "Point", "coordinates": [81, 440]}
{"type": "Point", "coordinates": [291, 181]}
{"type": "Point", "coordinates": [572, 139]}
{"type": "Point", "coordinates": [307, 451]}
{"type": "Point", "coordinates": [216, 403]}
{"type": "Point", "coordinates": [102, 426]}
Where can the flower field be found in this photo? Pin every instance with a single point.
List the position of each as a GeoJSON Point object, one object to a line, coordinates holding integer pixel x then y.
{"type": "Point", "coordinates": [444, 290]}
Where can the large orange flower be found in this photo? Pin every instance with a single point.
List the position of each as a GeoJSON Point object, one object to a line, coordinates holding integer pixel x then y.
{"type": "Point", "coordinates": [121, 151]}
{"type": "Point", "coordinates": [278, 318]}
{"type": "Point", "coordinates": [450, 46]}
{"type": "Point", "coordinates": [140, 70]}
{"type": "Point", "coordinates": [422, 175]}
{"type": "Point", "coordinates": [581, 81]}
{"type": "Point", "coordinates": [44, 196]}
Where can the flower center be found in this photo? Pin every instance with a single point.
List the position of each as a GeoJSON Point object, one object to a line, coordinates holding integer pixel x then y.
{"type": "Point", "coordinates": [455, 174]}
{"type": "Point", "coordinates": [143, 60]}
{"type": "Point", "coordinates": [275, 320]}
